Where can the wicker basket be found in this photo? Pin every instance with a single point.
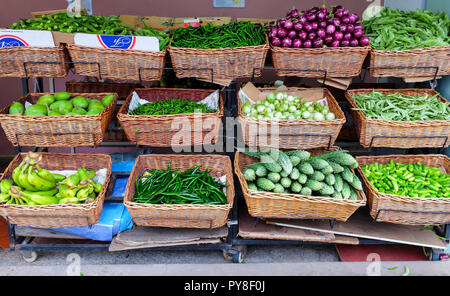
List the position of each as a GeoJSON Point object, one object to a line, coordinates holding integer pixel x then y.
{"type": "Point", "coordinates": [292, 134]}
{"type": "Point", "coordinates": [122, 89]}
{"type": "Point", "coordinates": [121, 64]}
{"type": "Point", "coordinates": [59, 215]}
{"type": "Point", "coordinates": [57, 131]}
{"type": "Point", "coordinates": [179, 215]}
{"type": "Point", "coordinates": [221, 63]}
{"type": "Point", "coordinates": [399, 134]}
{"type": "Point", "coordinates": [288, 205]}
{"type": "Point", "coordinates": [171, 130]}
{"type": "Point", "coordinates": [29, 62]}
{"type": "Point", "coordinates": [406, 210]}
{"type": "Point", "coordinates": [313, 62]}
{"type": "Point", "coordinates": [436, 56]}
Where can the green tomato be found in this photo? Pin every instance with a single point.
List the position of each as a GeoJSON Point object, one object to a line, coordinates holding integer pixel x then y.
{"type": "Point", "coordinates": [247, 108]}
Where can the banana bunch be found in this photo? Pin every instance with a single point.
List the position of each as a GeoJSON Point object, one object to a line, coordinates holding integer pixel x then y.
{"type": "Point", "coordinates": [37, 186]}
{"type": "Point", "coordinates": [79, 188]}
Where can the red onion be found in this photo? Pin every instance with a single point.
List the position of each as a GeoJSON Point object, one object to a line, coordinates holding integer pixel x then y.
{"type": "Point", "coordinates": [323, 24]}
{"type": "Point", "coordinates": [318, 42]}
{"type": "Point", "coordinates": [345, 43]}
{"type": "Point", "coordinates": [337, 7]}
{"type": "Point", "coordinates": [324, 10]}
{"type": "Point", "coordinates": [315, 25]}
{"type": "Point", "coordinates": [359, 26]}
{"type": "Point", "coordinates": [352, 18]}
{"type": "Point", "coordinates": [347, 36]}
{"type": "Point", "coordinates": [335, 21]}
{"type": "Point", "coordinates": [358, 33]}
{"type": "Point", "coordinates": [308, 27]}
{"type": "Point", "coordinates": [345, 12]}
{"type": "Point", "coordinates": [355, 16]}
{"type": "Point", "coordinates": [311, 17]}
{"type": "Point", "coordinates": [342, 28]}
{"type": "Point", "coordinates": [364, 41]}
{"type": "Point", "coordinates": [274, 32]}
{"type": "Point", "coordinates": [345, 20]}
{"type": "Point", "coordinates": [314, 9]}
{"type": "Point", "coordinates": [302, 35]}
{"type": "Point", "coordinates": [298, 26]}
{"type": "Point", "coordinates": [338, 13]}
{"type": "Point", "coordinates": [302, 19]}
{"type": "Point", "coordinates": [338, 35]}
{"type": "Point", "coordinates": [276, 41]}
{"type": "Point", "coordinates": [287, 42]}
{"type": "Point", "coordinates": [321, 16]}
{"type": "Point", "coordinates": [288, 25]}
{"type": "Point", "coordinates": [294, 13]}
{"type": "Point", "coordinates": [312, 35]}
{"type": "Point", "coordinates": [281, 33]}
{"type": "Point", "coordinates": [307, 43]}
{"type": "Point", "coordinates": [321, 33]}
{"type": "Point", "coordinates": [292, 34]}
{"type": "Point", "coordinates": [328, 39]}
{"type": "Point", "coordinates": [297, 43]}
{"type": "Point", "coordinates": [350, 28]}
{"type": "Point", "coordinates": [335, 43]}
{"type": "Point", "coordinates": [354, 42]}
{"type": "Point", "coordinates": [331, 29]}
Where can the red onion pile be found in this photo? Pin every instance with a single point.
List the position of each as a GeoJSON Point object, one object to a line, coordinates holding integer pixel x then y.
{"type": "Point", "coordinates": [318, 27]}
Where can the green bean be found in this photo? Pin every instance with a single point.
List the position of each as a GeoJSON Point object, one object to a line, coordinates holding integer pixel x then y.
{"type": "Point", "coordinates": [399, 107]}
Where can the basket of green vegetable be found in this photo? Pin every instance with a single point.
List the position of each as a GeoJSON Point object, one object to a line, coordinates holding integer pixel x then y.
{"type": "Point", "coordinates": [408, 43]}
{"type": "Point", "coordinates": [295, 119]}
{"type": "Point", "coordinates": [400, 118]}
{"type": "Point", "coordinates": [173, 117]}
{"type": "Point", "coordinates": [229, 51]}
{"type": "Point", "coordinates": [407, 189]}
{"type": "Point", "coordinates": [180, 191]}
{"type": "Point", "coordinates": [314, 184]}
{"type": "Point", "coordinates": [58, 119]}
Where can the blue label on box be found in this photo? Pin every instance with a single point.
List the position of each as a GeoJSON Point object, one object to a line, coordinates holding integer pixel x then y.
{"type": "Point", "coordinates": [11, 41]}
{"type": "Point", "coordinates": [122, 42]}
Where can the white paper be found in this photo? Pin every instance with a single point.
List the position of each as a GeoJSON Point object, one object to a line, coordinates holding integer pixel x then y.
{"type": "Point", "coordinates": [212, 101]}
{"type": "Point", "coordinates": [145, 43]}
{"type": "Point", "coordinates": [100, 175]}
{"type": "Point", "coordinates": [135, 102]}
{"type": "Point", "coordinates": [12, 38]}
{"type": "Point", "coordinates": [245, 98]}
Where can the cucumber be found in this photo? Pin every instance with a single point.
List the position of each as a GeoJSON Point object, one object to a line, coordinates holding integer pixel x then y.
{"type": "Point", "coordinates": [261, 171]}
{"type": "Point", "coordinates": [249, 175]}
{"type": "Point", "coordinates": [318, 176]}
{"type": "Point", "coordinates": [302, 178]}
{"type": "Point", "coordinates": [305, 168]}
{"type": "Point", "coordinates": [278, 188]}
{"type": "Point", "coordinates": [265, 184]}
{"type": "Point", "coordinates": [296, 187]}
{"type": "Point", "coordinates": [274, 177]}
{"type": "Point", "coordinates": [327, 170]}
{"type": "Point", "coordinates": [302, 154]}
{"type": "Point", "coordinates": [330, 179]}
{"type": "Point", "coordinates": [271, 164]}
{"type": "Point", "coordinates": [295, 174]}
{"type": "Point", "coordinates": [306, 191]}
{"type": "Point", "coordinates": [318, 163]}
{"type": "Point", "coordinates": [314, 185]}
{"type": "Point", "coordinates": [295, 160]}
{"type": "Point", "coordinates": [286, 182]}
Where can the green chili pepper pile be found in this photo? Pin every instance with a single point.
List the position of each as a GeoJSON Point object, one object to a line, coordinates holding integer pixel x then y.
{"type": "Point", "coordinates": [401, 30]}
{"type": "Point", "coordinates": [82, 23]}
{"type": "Point", "coordinates": [400, 107]}
{"type": "Point", "coordinates": [171, 106]}
{"type": "Point", "coordinates": [232, 35]}
{"type": "Point", "coordinates": [193, 186]}
{"type": "Point", "coordinates": [412, 180]}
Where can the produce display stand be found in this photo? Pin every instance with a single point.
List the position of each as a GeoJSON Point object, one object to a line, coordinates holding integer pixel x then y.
{"type": "Point", "coordinates": [233, 247]}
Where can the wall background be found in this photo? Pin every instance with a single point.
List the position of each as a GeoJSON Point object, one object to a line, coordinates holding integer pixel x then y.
{"type": "Point", "coordinates": [11, 88]}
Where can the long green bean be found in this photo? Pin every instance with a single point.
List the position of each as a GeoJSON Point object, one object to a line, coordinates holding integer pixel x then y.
{"type": "Point", "coordinates": [400, 107]}
{"type": "Point", "coordinates": [192, 186]}
{"type": "Point", "coordinates": [232, 35]}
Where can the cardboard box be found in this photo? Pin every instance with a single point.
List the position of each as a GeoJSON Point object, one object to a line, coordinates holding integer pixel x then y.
{"type": "Point", "coordinates": [252, 94]}
{"type": "Point", "coordinates": [165, 23]}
